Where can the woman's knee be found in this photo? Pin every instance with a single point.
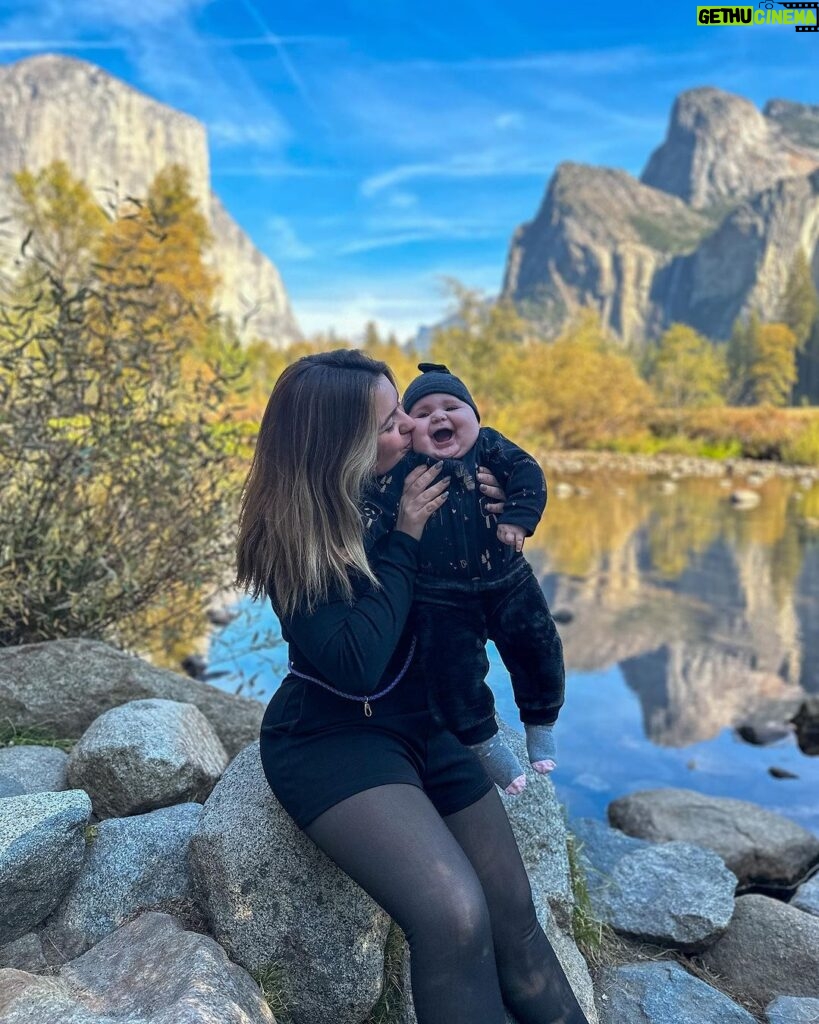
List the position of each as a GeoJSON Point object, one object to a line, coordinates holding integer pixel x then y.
{"type": "Point", "coordinates": [455, 917]}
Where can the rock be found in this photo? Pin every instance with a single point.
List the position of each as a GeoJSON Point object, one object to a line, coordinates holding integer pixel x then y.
{"type": "Point", "coordinates": [194, 665]}
{"type": "Point", "coordinates": [540, 831]}
{"type": "Point", "coordinates": [601, 848]}
{"type": "Point", "coordinates": [742, 498]}
{"type": "Point", "coordinates": [24, 954]}
{"type": "Point", "coordinates": [760, 847]}
{"type": "Point", "coordinates": [10, 787]}
{"type": "Point", "coordinates": [762, 734]}
{"type": "Point", "coordinates": [272, 897]}
{"type": "Point", "coordinates": [781, 773]}
{"type": "Point", "coordinates": [780, 942]}
{"type": "Point", "coordinates": [807, 896]}
{"type": "Point", "coordinates": [38, 769]}
{"type": "Point", "coordinates": [63, 685]}
{"type": "Point", "coordinates": [42, 842]}
{"type": "Point", "coordinates": [131, 865]}
{"type": "Point", "coordinates": [793, 1010]}
{"type": "Point", "coordinates": [150, 971]}
{"type": "Point", "coordinates": [667, 487]}
{"type": "Point", "coordinates": [146, 754]}
{"type": "Point", "coordinates": [562, 490]}
{"type": "Point", "coordinates": [563, 616]}
{"type": "Point", "coordinates": [221, 615]}
{"type": "Point", "coordinates": [806, 721]}
{"type": "Point", "coordinates": [671, 894]}
{"type": "Point", "coordinates": [663, 993]}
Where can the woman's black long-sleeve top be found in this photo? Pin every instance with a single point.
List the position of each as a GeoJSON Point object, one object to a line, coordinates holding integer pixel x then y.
{"type": "Point", "coordinates": [355, 646]}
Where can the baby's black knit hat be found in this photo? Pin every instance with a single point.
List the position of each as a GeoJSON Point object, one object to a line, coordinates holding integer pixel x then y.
{"type": "Point", "coordinates": [436, 379]}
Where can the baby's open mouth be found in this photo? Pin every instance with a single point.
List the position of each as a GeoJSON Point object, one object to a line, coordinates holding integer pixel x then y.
{"type": "Point", "coordinates": [442, 436]}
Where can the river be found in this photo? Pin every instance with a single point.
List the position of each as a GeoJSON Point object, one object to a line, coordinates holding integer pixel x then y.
{"type": "Point", "coordinates": [683, 613]}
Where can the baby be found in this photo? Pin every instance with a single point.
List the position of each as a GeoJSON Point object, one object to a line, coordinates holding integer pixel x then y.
{"type": "Point", "coordinates": [474, 584]}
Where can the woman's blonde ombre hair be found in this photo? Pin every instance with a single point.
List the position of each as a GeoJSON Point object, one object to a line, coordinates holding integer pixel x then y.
{"type": "Point", "coordinates": [300, 529]}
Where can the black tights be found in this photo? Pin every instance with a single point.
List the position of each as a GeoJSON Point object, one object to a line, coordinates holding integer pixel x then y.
{"type": "Point", "coordinates": [459, 891]}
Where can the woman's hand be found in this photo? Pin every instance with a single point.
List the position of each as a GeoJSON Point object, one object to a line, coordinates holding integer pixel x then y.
{"type": "Point", "coordinates": [422, 496]}
{"type": "Point", "coordinates": [490, 488]}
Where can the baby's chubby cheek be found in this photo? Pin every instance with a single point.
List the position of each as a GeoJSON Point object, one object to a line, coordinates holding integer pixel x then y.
{"type": "Point", "coordinates": [466, 436]}
{"type": "Point", "coordinates": [420, 440]}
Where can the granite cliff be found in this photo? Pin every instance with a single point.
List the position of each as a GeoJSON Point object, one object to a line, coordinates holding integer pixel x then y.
{"type": "Point", "coordinates": [707, 233]}
{"type": "Point", "coordinates": [116, 140]}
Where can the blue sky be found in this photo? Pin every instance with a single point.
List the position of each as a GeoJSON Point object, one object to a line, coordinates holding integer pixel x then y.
{"type": "Point", "coordinates": [371, 149]}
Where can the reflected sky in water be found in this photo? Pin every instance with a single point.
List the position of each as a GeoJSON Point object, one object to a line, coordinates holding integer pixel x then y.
{"type": "Point", "coordinates": [686, 615]}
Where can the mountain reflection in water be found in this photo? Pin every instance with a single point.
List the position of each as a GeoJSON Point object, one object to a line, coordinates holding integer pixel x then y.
{"type": "Point", "coordinates": [687, 614]}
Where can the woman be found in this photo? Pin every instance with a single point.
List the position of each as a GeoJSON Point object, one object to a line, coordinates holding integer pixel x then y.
{"type": "Point", "coordinates": [348, 743]}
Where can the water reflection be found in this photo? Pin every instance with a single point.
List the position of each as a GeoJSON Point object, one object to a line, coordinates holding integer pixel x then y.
{"type": "Point", "coordinates": [710, 611]}
{"type": "Point", "coordinates": [687, 614]}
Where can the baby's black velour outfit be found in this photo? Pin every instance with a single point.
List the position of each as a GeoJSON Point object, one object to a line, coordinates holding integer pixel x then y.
{"type": "Point", "coordinates": [472, 587]}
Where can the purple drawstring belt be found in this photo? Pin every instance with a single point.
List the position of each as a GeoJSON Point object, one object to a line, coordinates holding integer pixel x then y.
{"type": "Point", "coordinates": [351, 696]}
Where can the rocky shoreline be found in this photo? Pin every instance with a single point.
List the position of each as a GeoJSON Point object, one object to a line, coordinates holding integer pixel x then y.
{"type": "Point", "coordinates": [149, 873]}
{"type": "Point", "coordinates": [675, 467]}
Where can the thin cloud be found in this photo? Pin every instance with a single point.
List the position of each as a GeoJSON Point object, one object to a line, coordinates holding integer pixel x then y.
{"type": "Point", "coordinates": [402, 200]}
{"type": "Point", "coordinates": [510, 119]}
{"type": "Point", "coordinates": [278, 44]}
{"type": "Point", "coordinates": [285, 243]}
{"type": "Point", "coordinates": [613, 61]}
{"type": "Point", "coordinates": [239, 133]}
{"type": "Point", "coordinates": [269, 39]}
{"type": "Point", "coordinates": [277, 170]}
{"type": "Point", "coordinates": [40, 45]}
{"type": "Point", "coordinates": [173, 60]}
{"type": "Point", "coordinates": [479, 167]}
{"type": "Point", "coordinates": [589, 62]}
{"type": "Point", "coordinates": [401, 238]}
{"type": "Point", "coordinates": [135, 15]}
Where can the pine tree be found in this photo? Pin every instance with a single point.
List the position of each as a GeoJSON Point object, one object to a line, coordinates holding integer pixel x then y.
{"type": "Point", "coordinates": [372, 339]}
{"type": "Point", "coordinates": [800, 303]}
{"type": "Point", "coordinates": [739, 357]}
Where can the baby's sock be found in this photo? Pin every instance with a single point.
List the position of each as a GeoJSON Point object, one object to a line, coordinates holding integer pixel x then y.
{"type": "Point", "coordinates": [501, 764]}
{"type": "Point", "coordinates": [540, 743]}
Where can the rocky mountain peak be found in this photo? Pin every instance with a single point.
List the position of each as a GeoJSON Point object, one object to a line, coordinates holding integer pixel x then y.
{"type": "Point", "coordinates": [720, 148]}
{"type": "Point", "coordinates": [798, 121]}
{"type": "Point", "coordinates": [707, 234]}
{"type": "Point", "coordinates": [116, 139]}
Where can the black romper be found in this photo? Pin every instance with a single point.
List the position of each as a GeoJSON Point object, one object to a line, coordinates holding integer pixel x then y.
{"type": "Point", "coordinates": [318, 748]}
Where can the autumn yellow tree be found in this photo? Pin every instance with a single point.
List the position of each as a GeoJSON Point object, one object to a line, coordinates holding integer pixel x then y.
{"type": "Point", "coordinates": [773, 369]}
{"type": "Point", "coordinates": [63, 222]}
{"type": "Point", "coordinates": [157, 245]}
{"type": "Point", "coordinates": [580, 390]}
{"type": "Point", "coordinates": [686, 370]}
